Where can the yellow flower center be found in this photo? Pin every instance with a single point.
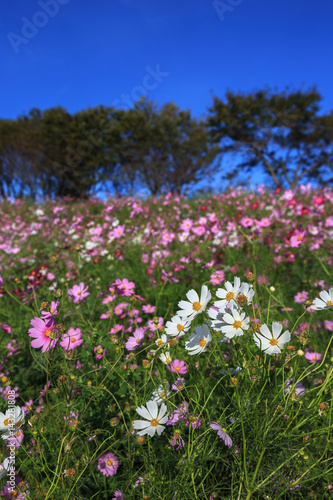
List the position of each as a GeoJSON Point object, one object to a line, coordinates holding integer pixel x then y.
{"type": "Point", "coordinates": [52, 311]}
{"type": "Point", "coordinates": [109, 462]}
{"type": "Point", "coordinates": [237, 324]}
{"type": "Point", "coordinates": [137, 340]}
{"type": "Point", "coordinates": [196, 306]}
{"type": "Point", "coordinates": [163, 395]}
{"type": "Point", "coordinates": [47, 332]}
{"type": "Point", "coordinates": [180, 328]}
{"type": "Point", "coordinates": [4, 379]}
{"type": "Point", "coordinates": [230, 296]}
{"type": "Point", "coordinates": [79, 293]}
{"type": "Point", "coordinates": [202, 342]}
{"type": "Point", "coordinates": [72, 339]}
{"type": "Point", "coordinates": [273, 341]}
{"type": "Point", "coordinates": [160, 343]}
{"type": "Point", "coordinates": [168, 360]}
{"type": "Point", "coordinates": [177, 368]}
{"type": "Point", "coordinates": [177, 435]}
{"type": "Point", "coordinates": [7, 421]}
{"type": "Point", "coordinates": [19, 423]}
{"type": "Point", "coordinates": [154, 422]}
{"type": "Point", "coordinates": [329, 303]}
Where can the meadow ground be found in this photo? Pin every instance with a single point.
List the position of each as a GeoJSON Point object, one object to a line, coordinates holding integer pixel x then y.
{"type": "Point", "coordinates": [167, 348]}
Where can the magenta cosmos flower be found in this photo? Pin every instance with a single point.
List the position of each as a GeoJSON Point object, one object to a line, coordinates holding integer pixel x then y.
{"type": "Point", "coordinates": [71, 339]}
{"type": "Point", "coordinates": [221, 433]}
{"type": "Point", "coordinates": [43, 333]}
{"type": "Point", "coordinates": [78, 293]}
{"type": "Point", "coordinates": [108, 464]}
{"type": "Point", "coordinates": [178, 366]}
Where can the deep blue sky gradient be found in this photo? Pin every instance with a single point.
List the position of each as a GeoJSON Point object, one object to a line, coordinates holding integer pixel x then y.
{"type": "Point", "coordinates": [96, 52]}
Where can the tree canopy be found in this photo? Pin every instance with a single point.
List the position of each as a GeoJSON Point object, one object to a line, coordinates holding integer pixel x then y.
{"type": "Point", "coordinates": [55, 153]}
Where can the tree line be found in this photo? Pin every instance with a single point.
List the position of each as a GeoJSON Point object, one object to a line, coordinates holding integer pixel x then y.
{"type": "Point", "coordinates": [55, 153]}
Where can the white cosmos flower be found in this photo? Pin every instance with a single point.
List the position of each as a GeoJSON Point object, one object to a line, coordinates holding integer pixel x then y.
{"type": "Point", "coordinates": [166, 358]}
{"type": "Point", "coordinates": [194, 306]}
{"type": "Point", "coordinates": [271, 343]}
{"type": "Point", "coordinates": [11, 421]}
{"type": "Point", "coordinates": [163, 341]}
{"type": "Point", "coordinates": [245, 292]}
{"type": "Point", "coordinates": [217, 318]}
{"type": "Point", "coordinates": [177, 326]}
{"type": "Point", "coordinates": [199, 341]}
{"type": "Point", "coordinates": [325, 301]}
{"type": "Point", "coordinates": [228, 295]}
{"type": "Point", "coordinates": [234, 323]}
{"type": "Point", "coordinates": [4, 467]}
{"type": "Point", "coordinates": [154, 419]}
{"type": "Point", "coordinates": [161, 393]}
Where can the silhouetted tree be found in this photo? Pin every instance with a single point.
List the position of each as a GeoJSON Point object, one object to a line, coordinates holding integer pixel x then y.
{"type": "Point", "coordinates": [280, 132]}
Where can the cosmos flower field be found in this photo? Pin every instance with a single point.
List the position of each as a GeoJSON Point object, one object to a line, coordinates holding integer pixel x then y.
{"type": "Point", "coordinates": [167, 348]}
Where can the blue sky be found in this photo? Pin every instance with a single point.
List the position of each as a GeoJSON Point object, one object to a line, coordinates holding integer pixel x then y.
{"type": "Point", "coordinates": [79, 53]}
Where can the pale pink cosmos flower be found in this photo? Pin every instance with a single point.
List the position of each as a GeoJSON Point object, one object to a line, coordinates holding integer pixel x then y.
{"type": "Point", "coordinates": [179, 384]}
{"type": "Point", "coordinates": [221, 433]}
{"type": "Point", "coordinates": [312, 356]}
{"type": "Point", "coordinates": [42, 333]}
{"type": "Point", "coordinates": [78, 293]}
{"type": "Point", "coordinates": [134, 341]}
{"type": "Point", "coordinates": [71, 339]}
{"type": "Point", "coordinates": [301, 297]}
{"type": "Point", "coordinates": [118, 495]}
{"type": "Point", "coordinates": [328, 325]}
{"type": "Point", "coordinates": [148, 309]}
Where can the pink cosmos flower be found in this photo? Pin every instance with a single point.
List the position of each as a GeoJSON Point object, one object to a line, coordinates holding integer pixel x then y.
{"type": "Point", "coordinates": [124, 287]}
{"type": "Point", "coordinates": [148, 308]}
{"type": "Point", "coordinates": [178, 366]}
{"type": "Point", "coordinates": [297, 239]}
{"type": "Point", "coordinates": [42, 332]}
{"type": "Point", "coordinates": [217, 278]}
{"type": "Point", "coordinates": [108, 464]}
{"type": "Point", "coordinates": [221, 433]}
{"type": "Point", "coordinates": [116, 329]}
{"type": "Point", "coordinates": [16, 439]}
{"type": "Point", "coordinates": [109, 299]}
{"type": "Point", "coordinates": [246, 222]}
{"type": "Point", "coordinates": [179, 384]}
{"type": "Point", "coordinates": [301, 297]}
{"type": "Point", "coordinates": [134, 341]}
{"type": "Point", "coordinates": [100, 352]}
{"type": "Point", "coordinates": [329, 325]}
{"type": "Point", "coordinates": [312, 356]}
{"type": "Point", "coordinates": [48, 315]}
{"type": "Point", "coordinates": [71, 339]}
{"type": "Point", "coordinates": [118, 495]}
{"type": "Point", "coordinates": [78, 293]}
